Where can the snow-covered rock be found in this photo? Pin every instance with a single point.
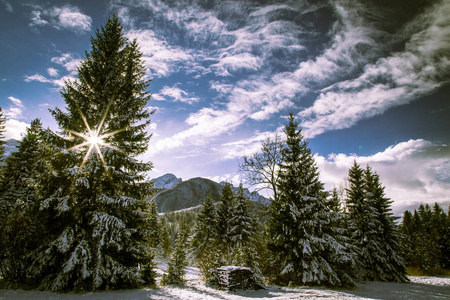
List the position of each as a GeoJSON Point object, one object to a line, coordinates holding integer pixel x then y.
{"type": "Point", "coordinates": [166, 181]}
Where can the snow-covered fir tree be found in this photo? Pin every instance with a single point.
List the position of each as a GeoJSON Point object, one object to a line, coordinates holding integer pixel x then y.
{"type": "Point", "coordinates": [177, 263]}
{"type": "Point", "coordinates": [94, 198]}
{"type": "Point", "coordinates": [364, 226]}
{"type": "Point", "coordinates": [224, 215]}
{"type": "Point", "coordinates": [243, 235]}
{"type": "Point", "coordinates": [394, 268]}
{"type": "Point", "coordinates": [308, 253]}
{"type": "Point", "coordinates": [204, 239]}
{"type": "Point", "coordinates": [2, 136]}
{"type": "Point", "coordinates": [20, 229]}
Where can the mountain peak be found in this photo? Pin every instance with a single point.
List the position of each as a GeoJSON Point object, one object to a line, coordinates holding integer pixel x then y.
{"type": "Point", "coordinates": [166, 181]}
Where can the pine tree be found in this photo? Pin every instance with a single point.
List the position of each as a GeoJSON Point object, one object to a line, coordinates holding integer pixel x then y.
{"type": "Point", "coordinates": [426, 255]}
{"type": "Point", "coordinates": [20, 229]}
{"type": "Point", "coordinates": [364, 225]}
{"type": "Point", "coordinates": [154, 234]}
{"type": "Point", "coordinates": [394, 268]}
{"type": "Point", "coordinates": [224, 215]}
{"type": "Point", "coordinates": [243, 235]}
{"type": "Point", "coordinates": [2, 130]}
{"type": "Point", "coordinates": [204, 239]}
{"type": "Point", "coordinates": [407, 231]}
{"type": "Point", "coordinates": [308, 253]}
{"type": "Point", "coordinates": [164, 236]}
{"type": "Point", "coordinates": [94, 198]}
{"type": "Point", "coordinates": [177, 262]}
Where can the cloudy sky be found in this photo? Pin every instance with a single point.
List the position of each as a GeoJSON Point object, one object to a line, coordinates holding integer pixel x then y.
{"type": "Point", "coordinates": [368, 81]}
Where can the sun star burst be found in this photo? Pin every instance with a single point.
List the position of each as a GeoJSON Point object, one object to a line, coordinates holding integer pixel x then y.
{"type": "Point", "coordinates": [94, 140]}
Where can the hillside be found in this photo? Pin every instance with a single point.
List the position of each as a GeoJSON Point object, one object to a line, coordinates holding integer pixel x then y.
{"type": "Point", "coordinates": [187, 194]}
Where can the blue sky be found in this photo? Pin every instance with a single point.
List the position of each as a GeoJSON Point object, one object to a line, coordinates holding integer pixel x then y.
{"type": "Point", "coordinates": [367, 80]}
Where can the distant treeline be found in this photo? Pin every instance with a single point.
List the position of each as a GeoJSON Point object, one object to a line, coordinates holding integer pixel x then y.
{"type": "Point", "coordinates": [426, 240]}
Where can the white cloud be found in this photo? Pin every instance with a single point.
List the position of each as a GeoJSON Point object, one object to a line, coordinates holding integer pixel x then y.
{"type": "Point", "coordinates": [15, 129]}
{"type": "Point", "coordinates": [412, 172]}
{"type": "Point", "coordinates": [176, 94]}
{"type": "Point", "coordinates": [52, 72]}
{"type": "Point", "coordinates": [66, 17]}
{"type": "Point", "coordinates": [244, 147]}
{"type": "Point", "coordinates": [16, 101]}
{"type": "Point", "coordinates": [158, 97]}
{"type": "Point", "coordinates": [160, 57]}
{"type": "Point", "coordinates": [36, 77]}
{"type": "Point", "coordinates": [236, 62]}
{"type": "Point", "coordinates": [69, 61]}
{"type": "Point", "coordinates": [15, 110]}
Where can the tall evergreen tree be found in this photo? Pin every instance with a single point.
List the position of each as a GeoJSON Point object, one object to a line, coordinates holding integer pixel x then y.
{"type": "Point", "coordinates": [204, 238]}
{"type": "Point", "coordinates": [426, 239]}
{"type": "Point", "coordinates": [308, 254]}
{"type": "Point", "coordinates": [154, 234]}
{"type": "Point", "coordinates": [224, 215]}
{"type": "Point", "coordinates": [2, 130]}
{"type": "Point", "coordinates": [177, 262]}
{"type": "Point", "coordinates": [20, 229]}
{"type": "Point", "coordinates": [244, 239]}
{"type": "Point", "coordinates": [393, 267]}
{"type": "Point", "coordinates": [364, 225]}
{"type": "Point", "coordinates": [95, 194]}
{"type": "Point", "coordinates": [164, 237]}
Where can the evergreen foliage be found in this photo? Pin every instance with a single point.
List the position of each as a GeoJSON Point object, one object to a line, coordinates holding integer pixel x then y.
{"type": "Point", "coordinates": [244, 238]}
{"type": "Point", "coordinates": [224, 214]}
{"type": "Point", "coordinates": [426, 240]}
{"type": "Point", "coordinates": [21, 229]}
{"type": "Point", "coordinates": [2, 130]}
{"type": "Point", "coordinates": [374, 232]}
{"type": "Point", "coordinates": [205, 239]}
{"type": "Point", "coordinates": [154, 234]}
{"type": "Point", "coordinates": [364, 226]}
{"type": "Point", "coordinates": [93, 198]}
{"type": "Point", "coordinates": [393, 268]}
{"type": "Point", "coordinates": [177, 262]}
{"type": "Point", "coordinates": [164, 237]}
{"type": "Point", "coordinates": [300, 220]}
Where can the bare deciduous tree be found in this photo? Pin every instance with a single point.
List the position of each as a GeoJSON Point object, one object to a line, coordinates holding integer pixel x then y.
{"type": "Point", "coordinates": [261, 168]}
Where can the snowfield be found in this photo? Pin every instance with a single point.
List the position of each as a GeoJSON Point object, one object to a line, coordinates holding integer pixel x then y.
{"type": "Point", "coordinates": [421, 287]}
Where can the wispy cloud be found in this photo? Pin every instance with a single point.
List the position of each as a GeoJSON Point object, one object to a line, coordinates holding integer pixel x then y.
{"type": "Point", "coordinates": [176, 94]}
{"type": "Point", "coordinates": [52, 72]}
{"type": "Point", "coordinates": [391, 81]}
{"type": "Point", "coordinates": [9, 7]}
{"type": "Point", "coordinates": [66, 17]}
{"type": "Point", "coordinates": [15, 110]}
{"type": "Point", "coordinates": [159, 56]}
{"type": "Point", "coordinates": [69, 61]}
{"type": "Point", "coordinates": [36, 77]}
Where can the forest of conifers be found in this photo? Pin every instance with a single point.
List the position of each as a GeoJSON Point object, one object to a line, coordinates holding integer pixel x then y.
{"type": "Point", "coordinates": [75, 214]}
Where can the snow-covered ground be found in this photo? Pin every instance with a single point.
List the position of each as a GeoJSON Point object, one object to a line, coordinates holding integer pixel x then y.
{"type": "Point", "coordinates": [420, 288]}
